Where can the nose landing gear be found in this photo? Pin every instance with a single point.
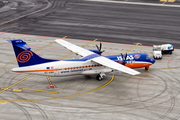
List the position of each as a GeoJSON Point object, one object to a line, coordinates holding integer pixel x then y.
{"type": "Point", "coordinates": [100, 76]}
{"type": "Point", "coordinates": [147, 68]}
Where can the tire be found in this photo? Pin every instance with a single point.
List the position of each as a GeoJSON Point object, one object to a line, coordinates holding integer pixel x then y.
{"type": "Point", "coordinates": [146, 68]}
{"type": "Point", "coordinates": [98, 77]}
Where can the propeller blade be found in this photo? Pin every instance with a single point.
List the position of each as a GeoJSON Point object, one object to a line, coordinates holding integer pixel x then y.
{"type": "Point", "coordinates": [125, 57]}
{"type": "Point", "coordinates": [97, 47]}
{"type": "Point", "coordinates": [100, 46]}
{"type": "Point", "coordinates": [122, 56]}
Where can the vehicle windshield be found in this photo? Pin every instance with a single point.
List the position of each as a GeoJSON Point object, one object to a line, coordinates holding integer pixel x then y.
{"type": "Point", "coordinates": [157, 49]}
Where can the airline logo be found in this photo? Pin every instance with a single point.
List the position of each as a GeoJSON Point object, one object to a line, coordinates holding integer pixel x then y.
{"type": "Point", "coordinates": [136, 56]}
{"type": "Point", "coordinates": [24, 56]}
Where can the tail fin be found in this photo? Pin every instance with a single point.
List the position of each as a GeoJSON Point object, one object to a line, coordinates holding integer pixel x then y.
{"type": "Point", "coordinates": [24, 55]}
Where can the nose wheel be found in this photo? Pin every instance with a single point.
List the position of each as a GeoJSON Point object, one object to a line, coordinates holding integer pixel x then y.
{"type": "Point", "coordinates": [100, 76]}
{"type": "Point", "coordinates": [146, 68]}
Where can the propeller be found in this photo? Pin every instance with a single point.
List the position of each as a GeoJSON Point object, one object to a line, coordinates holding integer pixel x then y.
{"type": "Point", "coordinates": [124, 59]}
{"type": "Point", "coordinates": [99, 48]}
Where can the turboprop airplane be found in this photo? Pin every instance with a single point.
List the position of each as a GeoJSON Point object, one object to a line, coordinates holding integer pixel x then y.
{"type": "Point", "coordinates": [91, 62]}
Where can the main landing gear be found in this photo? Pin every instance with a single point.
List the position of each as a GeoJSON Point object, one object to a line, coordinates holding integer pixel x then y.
{"type": "Point", "coordinates": [100, 76]}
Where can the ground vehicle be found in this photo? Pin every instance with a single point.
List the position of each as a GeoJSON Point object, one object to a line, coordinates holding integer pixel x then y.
{"type": "Point", "coordinates": [167, 48]}
{"type": "Point", "coordinates": [159, 50]}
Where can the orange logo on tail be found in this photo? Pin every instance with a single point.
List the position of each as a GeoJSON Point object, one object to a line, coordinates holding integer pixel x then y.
{"type": "Point", "coordinates": [24, 56]}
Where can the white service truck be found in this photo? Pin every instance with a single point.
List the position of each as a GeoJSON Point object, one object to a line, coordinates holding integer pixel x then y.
{"type": "Point", "coordinates": [159, 50]}
{"type": "Point", "coordinates": [167, 48]}
{"type": "Point", "coordinates": [157, 53]}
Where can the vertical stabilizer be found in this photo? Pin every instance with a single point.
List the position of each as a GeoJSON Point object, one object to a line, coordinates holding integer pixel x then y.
{"type": "Point", "coordinates": [24, 55]}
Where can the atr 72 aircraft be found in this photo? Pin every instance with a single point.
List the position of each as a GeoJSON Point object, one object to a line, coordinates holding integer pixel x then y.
{"type": "Point", "coordinates": [91, 62]}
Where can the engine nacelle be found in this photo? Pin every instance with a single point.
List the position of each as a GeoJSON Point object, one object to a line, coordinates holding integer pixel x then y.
{"type": "Point", "coordinates": [96, 51]}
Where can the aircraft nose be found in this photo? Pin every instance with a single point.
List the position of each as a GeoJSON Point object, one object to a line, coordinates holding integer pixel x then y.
{"type": "Point", "coordinates": [152, 60]}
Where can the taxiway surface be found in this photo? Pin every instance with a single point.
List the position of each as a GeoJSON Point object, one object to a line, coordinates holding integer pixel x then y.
{"type": "Point", "coordinates": [151, 95]}
{"type": "Point", "coordinates": [150, 22]}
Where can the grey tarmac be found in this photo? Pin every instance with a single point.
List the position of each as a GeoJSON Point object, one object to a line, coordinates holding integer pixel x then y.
{"type": "Point", "coordinates": [151, 95]}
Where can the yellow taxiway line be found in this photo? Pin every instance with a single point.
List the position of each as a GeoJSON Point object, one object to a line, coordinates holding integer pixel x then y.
{"type": "Point", "coordinates": [112, 78]}
{"type": "Point", "coordinates": [82, 46]}
{"type": "Point", "coordinates": [165, 1]}
{"type": "Point", "coordinates": [16, 83]}
{"type": "Point", "coordinates": [48, 45]}
{"type": "Point", "coordinates": [29, 75]}
{"type": "Point", "coordinates": [40, 90]}
{"type": "Point", "coordinates": [36, 51]}
{"type": "Point", "coordinates": [17, 90]}
{"type": "Point", "coordinates": [135, 45]}
{"type": "Point", "coordinates": [49, 4]}
{"type": "Point", "coordinates": [169, 68]}
{"type": "Point", "coordinates": [7, 64]}
{"type": "Point", "coordinates": [2, 102]}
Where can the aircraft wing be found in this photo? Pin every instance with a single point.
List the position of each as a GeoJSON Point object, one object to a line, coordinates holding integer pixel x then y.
{"type": "Point", "coordinates": [114, 65]}
{"type": "Point", "coordinates": [78, 50]}
{"type": "Point", "coordinates": [97, 58]}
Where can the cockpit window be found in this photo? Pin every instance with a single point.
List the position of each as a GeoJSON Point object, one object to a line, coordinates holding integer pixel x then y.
{"type": "Point", "coordinates": [157, 49]}
{"type": "Point", "coordinates": [147, 57]}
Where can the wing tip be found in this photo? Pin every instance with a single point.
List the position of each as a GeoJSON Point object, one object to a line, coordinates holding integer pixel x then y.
{"type": "Point", "coordinates": [136, 73]}
{"type": "Point", "coordinates": [58, 40]}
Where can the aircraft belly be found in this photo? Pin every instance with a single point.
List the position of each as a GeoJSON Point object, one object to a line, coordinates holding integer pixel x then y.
{"type": "Point", "coordinates": [138, 65]}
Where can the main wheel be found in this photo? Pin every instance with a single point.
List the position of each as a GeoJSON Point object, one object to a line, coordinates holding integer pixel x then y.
{"type": "Point", "coordinates": [98, 77]}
